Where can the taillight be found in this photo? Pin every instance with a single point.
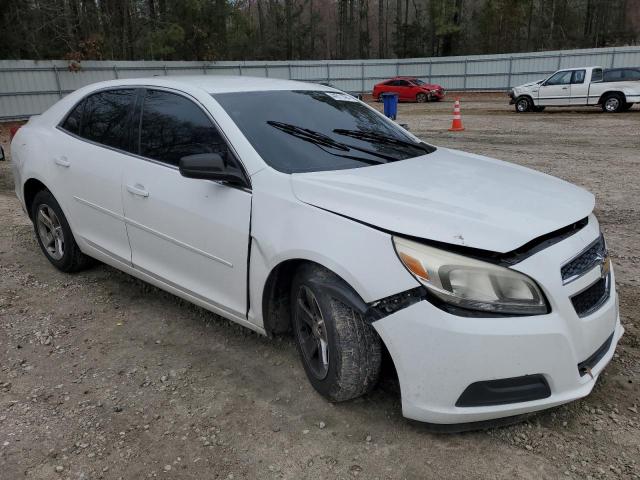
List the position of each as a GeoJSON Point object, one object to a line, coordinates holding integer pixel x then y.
{"type": "Point", "coordinates": [13, 130]}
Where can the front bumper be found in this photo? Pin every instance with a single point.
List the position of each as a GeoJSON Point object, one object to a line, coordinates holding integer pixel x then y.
{"type": "Point", "coordinates": [437, 355]}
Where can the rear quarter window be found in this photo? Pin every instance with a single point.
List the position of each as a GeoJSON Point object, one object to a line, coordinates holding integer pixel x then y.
{"type": "Point", "coordinates": [73, 121]}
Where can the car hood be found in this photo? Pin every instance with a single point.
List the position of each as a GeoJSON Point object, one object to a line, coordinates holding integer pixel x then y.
{"type": "Point", "coordinates": [450, 196]}
{"type": "Point", "coordinates": [530, 84]}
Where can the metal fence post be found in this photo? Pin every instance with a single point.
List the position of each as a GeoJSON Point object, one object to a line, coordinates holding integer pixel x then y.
{"type": "Point", "coordinates": [510, 71]}
{"type": "Point", "coordinates": [464, 84]}
{"type": "Point", "coordinates": [362, 77]}
{"type": "Point", "coordinates": [204, 69]}
{"type": "Point", "coordinates": [397, 68]}
{"type": "Point", "coordinates": [266, 70]}
{"type": "Point", "coordinates": [559, 61]}
{"type": "Point", "coordinates": [613, 57]}
{"type": "Point", "coordinates": [430, 69]}
{"type": "Point", "coordinates": [328, 73]}
{"type": "Point", "coordinates": [289, 65]}
{"type": "Point", "coordinates": [166, 72]}
{"type": "Point", "coordinates": [115, 72]}
{"type": "Point", "coordinates": [55, 70]}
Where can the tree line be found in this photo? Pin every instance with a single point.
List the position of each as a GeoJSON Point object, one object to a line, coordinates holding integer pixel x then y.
{"type": "Point", "coordinates": [213, 30]}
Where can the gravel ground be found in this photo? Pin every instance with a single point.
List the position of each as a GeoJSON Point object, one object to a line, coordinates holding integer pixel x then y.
{"type": "Point", "coordinates": [103, 376]}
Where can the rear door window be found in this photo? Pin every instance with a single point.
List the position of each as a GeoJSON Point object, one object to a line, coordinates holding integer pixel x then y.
{"type": "Point", "coordinates": [105, 118]}
{"type": "Point", "coordinates": [578, 76]}
{"type": "Point", "coordinates": [173, 127]}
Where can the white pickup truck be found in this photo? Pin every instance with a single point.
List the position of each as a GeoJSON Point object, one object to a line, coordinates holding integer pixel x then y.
{"type": "Point", "coordinates": [586, 86]}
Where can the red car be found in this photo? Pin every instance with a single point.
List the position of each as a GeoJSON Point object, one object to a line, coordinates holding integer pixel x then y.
{"type": "Point", "coordinates": [409, 89]}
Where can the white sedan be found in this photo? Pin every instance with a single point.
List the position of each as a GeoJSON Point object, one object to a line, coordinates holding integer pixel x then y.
{"type": "Point", "coordinates": [288, 206]}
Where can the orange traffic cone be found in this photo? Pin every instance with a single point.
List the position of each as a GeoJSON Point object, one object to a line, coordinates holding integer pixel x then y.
{"type": "Point", "coordinates": [456, 125]}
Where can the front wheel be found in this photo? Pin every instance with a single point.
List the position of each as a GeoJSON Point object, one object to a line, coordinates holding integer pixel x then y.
{"type": "Point", "coordinates": [54, 234]}
{"type": "Point", "coordinates": [422, 97]}
{"type": "Point", "coordinates": [612, 103]}
{"type": "Point", "coordinates": [341, 352]}
{"type": "Point", "coordinates": [523, 104]}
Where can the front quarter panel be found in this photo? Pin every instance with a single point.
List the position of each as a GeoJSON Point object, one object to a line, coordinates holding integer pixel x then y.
{"type": "Point", "coordinates": [283, 228]}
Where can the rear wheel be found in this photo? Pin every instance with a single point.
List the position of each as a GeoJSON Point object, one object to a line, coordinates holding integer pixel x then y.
{"type": "Point", "coordinates": [523, 104]}
{"type": "Point", "coordinates": [341, 352]}
{"type": "Point", "coordinates": [612, 103]}
{"type": "Point", "coordinates": [54, 234]}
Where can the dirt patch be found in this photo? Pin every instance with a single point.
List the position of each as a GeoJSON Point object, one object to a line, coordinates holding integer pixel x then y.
{"type": "Point", "coordinates": [103, 376]}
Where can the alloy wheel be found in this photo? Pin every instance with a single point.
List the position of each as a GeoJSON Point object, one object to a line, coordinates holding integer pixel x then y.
{"type": "Point", "coordinates": [50, 232]}
{"type": "Point", "coordinates": [612, 104]}
{"type": "Point", "coordinates": [523, 105]}
{"type": "Point", "coordinates": [312, 333]}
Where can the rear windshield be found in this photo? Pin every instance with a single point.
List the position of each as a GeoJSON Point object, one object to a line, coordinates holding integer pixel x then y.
{"type": "Point", "coordinates": [306, 131]}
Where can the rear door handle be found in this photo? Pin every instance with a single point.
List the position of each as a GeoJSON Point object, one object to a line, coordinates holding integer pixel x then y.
{"type": "Point", "coordinates": [137, 190]}
{"type": "Point", "coordinates": [62, 161]}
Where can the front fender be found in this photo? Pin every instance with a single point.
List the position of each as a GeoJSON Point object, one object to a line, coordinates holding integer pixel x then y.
{"type": "Point", "coordinates": [283, 228]}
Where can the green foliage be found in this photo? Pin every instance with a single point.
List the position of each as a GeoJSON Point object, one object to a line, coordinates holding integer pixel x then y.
{"type": "Point", "coordinates": [296, 29]}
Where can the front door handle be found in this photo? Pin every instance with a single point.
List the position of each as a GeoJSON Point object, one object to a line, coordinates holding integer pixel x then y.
{"type": "Point", "coordinates": [137, 190]}
{"type": "Point", "coordinates": [62, 161]}
{"type": "Point", "coordinates": [565, 88]}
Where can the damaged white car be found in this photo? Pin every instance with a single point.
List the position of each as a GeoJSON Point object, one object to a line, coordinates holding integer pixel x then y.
{"type": "Point", "coordinates": [291, 206]}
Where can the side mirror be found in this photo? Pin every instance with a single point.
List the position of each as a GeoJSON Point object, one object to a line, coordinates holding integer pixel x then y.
{"type": "Point", "coordinates": [2, 157]}
{"type": "Point", "coordinates": [209, 166]}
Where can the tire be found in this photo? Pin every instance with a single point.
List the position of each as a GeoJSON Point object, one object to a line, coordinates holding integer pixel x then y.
{"type": "Point", "coordinates": [353, 349]}
{"type": "Point", "coordinates": [523, 104]}
{"type": "Point", "coordinates": [54, 234]}
{"type": "Point", "coordinates": [613, 103]}
{"type": "Point", "coordinates": [538, 109]}
{"type": "Point", "coordinates": [422, 98]}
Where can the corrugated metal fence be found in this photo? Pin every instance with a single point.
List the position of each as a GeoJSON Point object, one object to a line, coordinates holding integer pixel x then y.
{"type": "Point", "coordinates": [29, 87]}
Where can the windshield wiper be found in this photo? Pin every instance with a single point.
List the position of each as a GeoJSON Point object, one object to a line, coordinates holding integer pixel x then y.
{"type": "Point", "coordinates": [322, 140]}
{"type": "Point", "coordinates": [308, 135]}
{"type": "Point", "coordinates": [380, 138]}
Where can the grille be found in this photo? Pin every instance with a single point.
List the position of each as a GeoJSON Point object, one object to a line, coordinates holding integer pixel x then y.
{"type": "Point", "coordinates": [592, 256]}
{"type": "Point", "coordinates": [592, 298]}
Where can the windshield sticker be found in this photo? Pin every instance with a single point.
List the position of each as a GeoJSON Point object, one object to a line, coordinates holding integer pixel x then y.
{"type": "Point", "coordinates": [343, 97]}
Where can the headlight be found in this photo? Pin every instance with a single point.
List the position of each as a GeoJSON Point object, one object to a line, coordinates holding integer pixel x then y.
{"type": "Point", "coordinates": [471, 284]}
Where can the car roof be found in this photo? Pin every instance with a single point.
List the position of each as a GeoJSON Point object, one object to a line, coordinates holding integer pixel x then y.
{"type": "Point", "coordinates": [217, 83]}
